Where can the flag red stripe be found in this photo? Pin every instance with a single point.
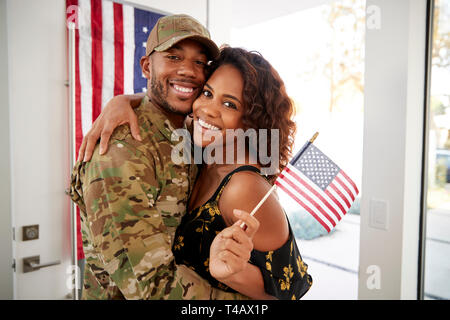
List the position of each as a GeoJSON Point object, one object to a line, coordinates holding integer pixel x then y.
{"type": "Point", "coordinates": [350, 181]}
{"type": "Point", "coordinates": [78, 122]}
{"type": "Point", "coordinates": [118, 49]}
{"type": "Point", "coordinates": [303, 205]}
{"type": "Point", "coordinates": [330, 195]}
{"type": "Point", "coordinates": [314, 203]}
{"type": "Point", "coordinates": [345, 188]}
{"type": "Point", "coordinates": [318, 195]}
{"type": "Point", "coordinates": [78, 125]}
{"type": "Point", "coordinates": [341, 195]}
{"type": "Point", "coordinates": [97, 57]}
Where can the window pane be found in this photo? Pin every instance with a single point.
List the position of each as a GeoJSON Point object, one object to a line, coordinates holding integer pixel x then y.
{"type": "Point", "coordinates": [437, 243]}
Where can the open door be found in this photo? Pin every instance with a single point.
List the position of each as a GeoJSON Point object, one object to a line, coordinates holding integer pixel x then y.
{"type": "Point", "coordinates": [36, 164]}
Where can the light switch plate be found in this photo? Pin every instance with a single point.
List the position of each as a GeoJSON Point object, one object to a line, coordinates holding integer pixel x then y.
{"type": "Point", "coordinates": [379, 214]}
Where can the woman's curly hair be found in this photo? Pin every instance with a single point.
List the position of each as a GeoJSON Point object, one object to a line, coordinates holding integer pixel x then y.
{"type": "Point", "coordinates": [267, 105]}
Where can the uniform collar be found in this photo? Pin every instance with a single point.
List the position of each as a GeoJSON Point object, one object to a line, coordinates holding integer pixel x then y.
{"type": "Point", "coordinates": [160, 120]}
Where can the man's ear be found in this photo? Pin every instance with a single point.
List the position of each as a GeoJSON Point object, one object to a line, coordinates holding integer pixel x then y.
{"type": "Point", "coordinates": [146, 66]}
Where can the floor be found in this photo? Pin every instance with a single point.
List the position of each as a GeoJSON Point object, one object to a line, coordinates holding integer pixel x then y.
{"type": "Point", "coordinates": [437, 255]}
{"type": "Point", "coordinates": [334, 268]}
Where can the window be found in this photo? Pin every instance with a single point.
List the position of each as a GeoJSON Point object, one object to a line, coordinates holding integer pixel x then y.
{"type": "Point", "coordinates": [437, 212]}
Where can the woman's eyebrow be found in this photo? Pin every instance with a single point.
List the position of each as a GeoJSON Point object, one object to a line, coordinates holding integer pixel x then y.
{"type": "Point", "coordinates": [232, 97]}
{"type": "Point", "coordinates": [225, 95]}
{"type": "Point", "coordinates": [209, 87]}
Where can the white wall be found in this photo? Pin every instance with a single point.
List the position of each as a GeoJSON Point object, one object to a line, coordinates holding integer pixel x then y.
{"type": "Point", "coordinates": [220, 17]}
{"type": "Point", "coordinates": [393, 121]}
{"type": "Point", "coordinates": [250, 12]}
{"type": "Point", "coordinates": [6, 272]}
{"type": "Point", "coordinates": [225, 15]}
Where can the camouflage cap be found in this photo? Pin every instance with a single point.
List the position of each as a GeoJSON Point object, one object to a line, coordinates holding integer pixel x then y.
{"type": "Point", "coordinates": [169, 30]}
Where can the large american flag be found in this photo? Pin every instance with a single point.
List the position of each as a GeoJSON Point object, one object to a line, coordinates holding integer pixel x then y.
{"type": "Point", "coordinates": [318, 185]}
{"type": "Point", "coordinates": [110, 39]}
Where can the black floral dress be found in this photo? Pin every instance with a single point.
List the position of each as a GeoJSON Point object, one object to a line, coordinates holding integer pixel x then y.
{"type": "Point", "coordinates": [283, 270]}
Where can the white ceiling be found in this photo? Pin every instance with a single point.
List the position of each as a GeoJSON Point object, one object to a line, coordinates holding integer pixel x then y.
{"type": "Point", "coordinates": [249, 12]}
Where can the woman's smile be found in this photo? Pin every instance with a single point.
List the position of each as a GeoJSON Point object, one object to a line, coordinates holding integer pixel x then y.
{"type": "Point", "coordinates": [207, 126]}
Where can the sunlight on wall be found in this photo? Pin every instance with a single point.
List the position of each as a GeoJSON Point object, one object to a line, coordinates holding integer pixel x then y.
{"type": "Point", "coordinates": [322, 66]}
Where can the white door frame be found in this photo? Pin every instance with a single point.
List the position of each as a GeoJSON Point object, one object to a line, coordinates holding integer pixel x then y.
{"type": "Point", "coordinates": [6, 234]}
{"type": "Point", "coordinates": [394, 94]}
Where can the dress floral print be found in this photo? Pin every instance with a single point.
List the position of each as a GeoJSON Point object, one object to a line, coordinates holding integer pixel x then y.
{"type": "Point", "coordinates": [284, 272]}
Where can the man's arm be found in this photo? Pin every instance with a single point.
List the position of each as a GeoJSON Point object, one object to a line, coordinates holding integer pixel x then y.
{"type": "Point", "coordinates": [118, 111]}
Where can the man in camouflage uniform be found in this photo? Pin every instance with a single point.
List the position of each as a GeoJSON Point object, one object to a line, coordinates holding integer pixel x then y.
{"type": "Point", "coordinates": [133, 197]}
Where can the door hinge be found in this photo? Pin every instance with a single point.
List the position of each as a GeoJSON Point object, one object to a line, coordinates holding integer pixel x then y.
{"type": "Point", "coordinates": [14, 234]}
{"type": "Point", "coordinates": [14, 265]}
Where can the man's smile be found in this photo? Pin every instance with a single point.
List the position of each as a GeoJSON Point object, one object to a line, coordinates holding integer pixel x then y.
{"type": "Point", "coordinates": [183, 89]}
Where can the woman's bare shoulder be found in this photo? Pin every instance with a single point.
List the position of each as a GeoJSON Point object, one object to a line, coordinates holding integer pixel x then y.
{"type": "Point", "coordinates": [244, 191]}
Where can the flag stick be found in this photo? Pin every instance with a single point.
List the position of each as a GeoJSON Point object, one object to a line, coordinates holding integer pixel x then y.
{"type": "Point", "coordinates": [314, 137]}
{"type": "Point", "coordinates": [274, 186]}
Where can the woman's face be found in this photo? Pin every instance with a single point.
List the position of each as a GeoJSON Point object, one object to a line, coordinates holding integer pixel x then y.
{"type": "Point", "coordinates": [220, 105]}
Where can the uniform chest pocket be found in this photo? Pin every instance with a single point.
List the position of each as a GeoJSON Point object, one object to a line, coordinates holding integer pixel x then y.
{"type": "Point", "coordinates": [171, 211]}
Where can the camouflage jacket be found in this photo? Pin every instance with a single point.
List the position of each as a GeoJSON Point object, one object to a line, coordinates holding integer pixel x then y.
{"type": "Point", "coordinates": [132, 199]}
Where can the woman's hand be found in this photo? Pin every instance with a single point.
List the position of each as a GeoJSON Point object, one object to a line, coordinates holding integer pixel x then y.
{"type": "Point", "coordinates": [230, 251]}
{"type": "Point", "coordinates": [117, 111]}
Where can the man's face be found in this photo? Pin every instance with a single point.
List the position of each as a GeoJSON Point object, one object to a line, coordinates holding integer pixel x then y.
{"type": "Point", "coordinates": [176, 75]}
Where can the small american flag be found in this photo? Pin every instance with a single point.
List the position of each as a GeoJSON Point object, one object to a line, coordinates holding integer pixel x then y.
{"type": "Point", "coordinates": [318, 185]}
